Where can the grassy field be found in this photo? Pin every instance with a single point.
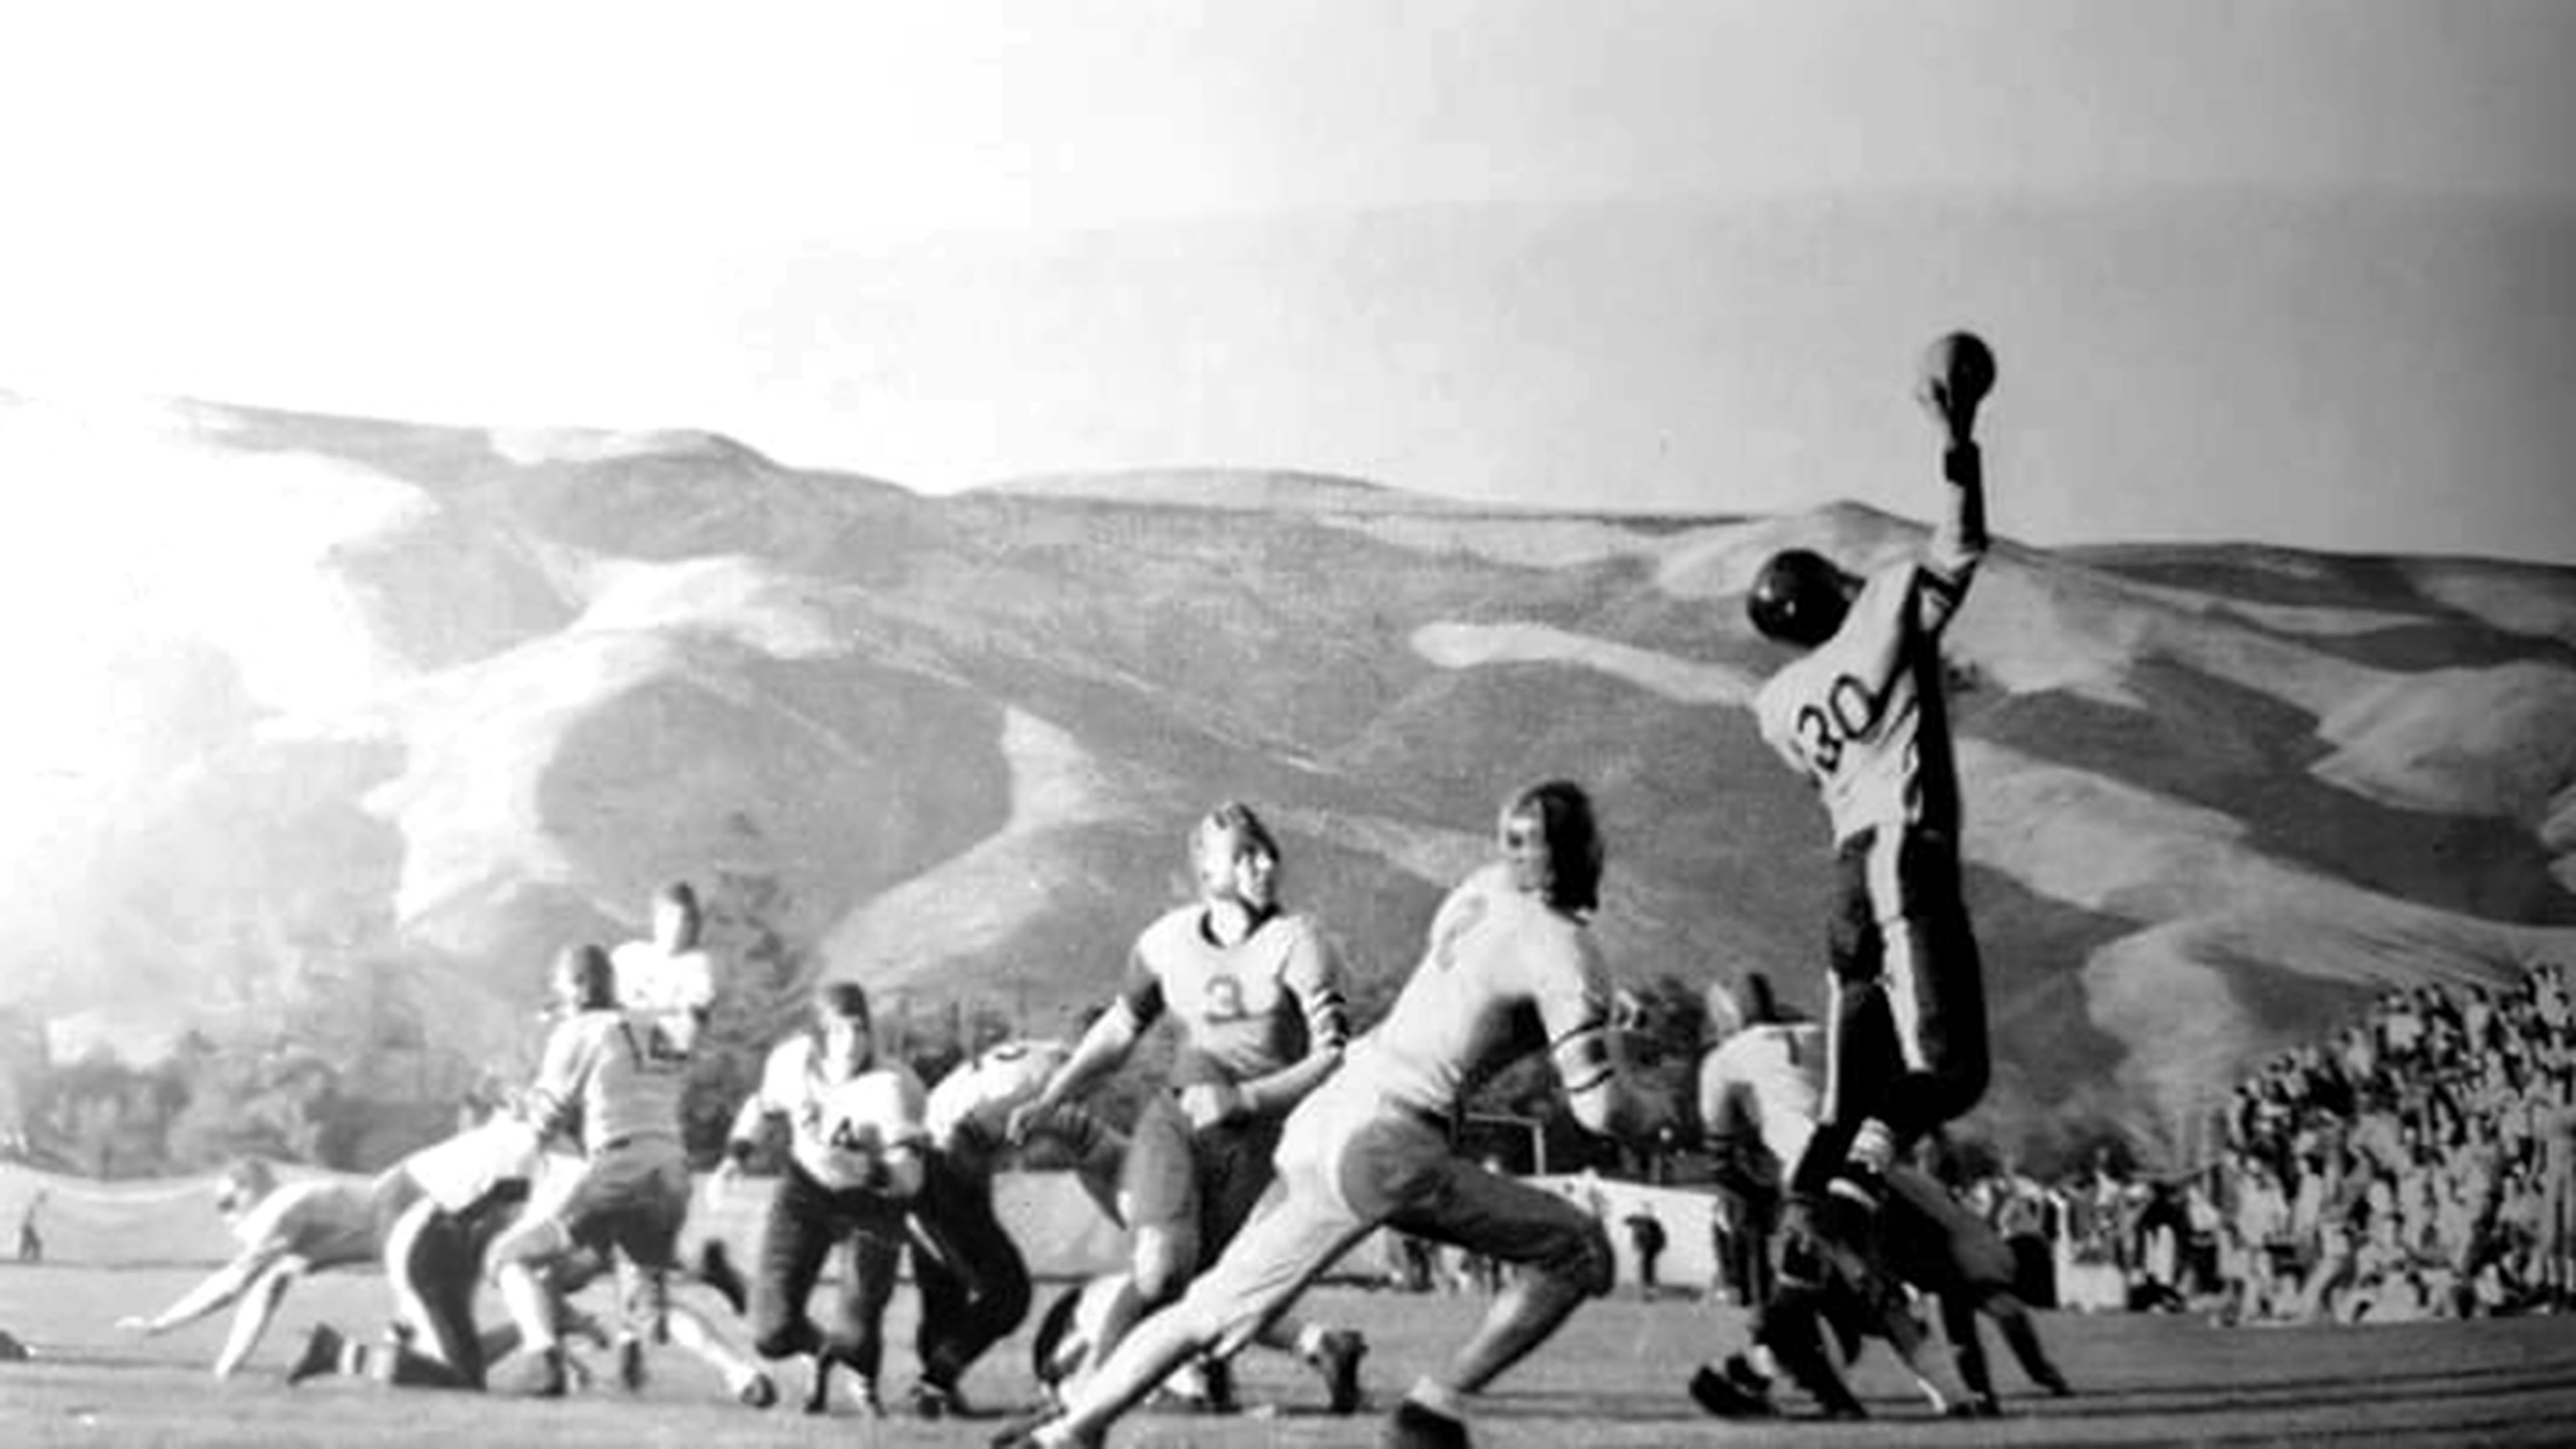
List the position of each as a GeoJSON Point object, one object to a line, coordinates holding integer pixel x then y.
{"type": "Point", "coordinates": [1614, 1377]}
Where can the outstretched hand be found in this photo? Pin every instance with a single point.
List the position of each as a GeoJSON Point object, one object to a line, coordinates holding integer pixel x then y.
{"type": "Point", "coordinates": [1957, 372]}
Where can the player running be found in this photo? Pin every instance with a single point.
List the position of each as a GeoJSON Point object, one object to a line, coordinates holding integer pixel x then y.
{"type": "Point", "coordinates": [1862, 716]}
{"type": "Point", "coordinates": [286, 1231]}
{"type": "Point", "coordinates": [855, 1161]}
{"type": "Point", "coordinates": [974, 1284]}
{"type": "Point", "coordinates": [607, 1074]}
{"type": "Point", "coordinates": [1511, 967]}
{"type": "Point", "coordinates": [1256, 992]}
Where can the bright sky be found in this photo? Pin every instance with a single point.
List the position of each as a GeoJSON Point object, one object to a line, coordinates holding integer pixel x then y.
{"type": "Point", "coordinates": [947, 242]}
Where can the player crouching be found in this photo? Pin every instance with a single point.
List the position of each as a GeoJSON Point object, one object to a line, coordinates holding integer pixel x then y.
{"type": "Point", "coordinates": [854, 1165]}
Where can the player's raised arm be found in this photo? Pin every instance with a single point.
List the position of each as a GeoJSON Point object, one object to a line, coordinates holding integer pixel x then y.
{"type": "Point", "coordinates": [1957, 373]}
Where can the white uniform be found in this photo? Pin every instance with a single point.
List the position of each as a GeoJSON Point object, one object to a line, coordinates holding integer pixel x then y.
{"type": "Point", "coordinates": [838, 1131]}
{"type": "Point", "coordinates": [459, 1172]}
{"type": "Point", "coordinates": [672, 990]}
{"type": "Point", "coordinates": [1862, 715]}
{"type": "Point", "coordinates": [1761, 1092]}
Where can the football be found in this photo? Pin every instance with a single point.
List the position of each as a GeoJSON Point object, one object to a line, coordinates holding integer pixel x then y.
{"type": "Point", "coordinates": [1958, 371]}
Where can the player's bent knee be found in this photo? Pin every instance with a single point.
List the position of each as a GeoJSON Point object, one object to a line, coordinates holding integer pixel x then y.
{"type": "Point", "coordinates": [1163, 1260]}
{"type": "Point", "coordinates": [1582, 1256]}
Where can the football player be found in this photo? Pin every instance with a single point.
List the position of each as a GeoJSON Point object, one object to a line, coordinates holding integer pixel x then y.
{"type": "Point", "coordinates": [974, 1284]}
{"type": "Point", "coordinates": [856, 1140]}
{"type": "Point", "coordinates": [1256, 992]}
{"type": "Point", "coordinates": [669, 978]}
{"type": "Point", "coordinates": [1862, 716]}
{"type": "Point", "coordinates": [1511, 967]}
{"type": "Point", "coordinates": [286, 1231]}
{"type": "Point", "coordinates": [611, 1074]}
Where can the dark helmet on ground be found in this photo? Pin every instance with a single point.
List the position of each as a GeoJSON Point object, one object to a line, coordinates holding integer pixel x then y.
{"type": "Point", "coordinates": [1798, 598]}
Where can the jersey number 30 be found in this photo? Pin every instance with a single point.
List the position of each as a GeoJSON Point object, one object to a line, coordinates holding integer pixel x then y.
{"type": "Point", "coordinates": [1846, 713]}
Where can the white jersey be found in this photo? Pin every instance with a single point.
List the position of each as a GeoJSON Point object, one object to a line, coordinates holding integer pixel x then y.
{"type": "Point", "coordinates": [1505, 974]}
{"type": "Point", "coordinates": [838, 1129]}
{"type": "Point", "coordinates": [1863, 717]}
{"type": "Point", "coordinates": [1761, 1092]}
{"type": "Point", "coordinates": [970, 1110]}
{"type": "Point", "coordinates": [673, 990]}
{"type": "Point", "coordinates": [460, 1171]}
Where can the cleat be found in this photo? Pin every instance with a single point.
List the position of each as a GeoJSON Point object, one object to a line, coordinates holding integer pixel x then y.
{"type": "Point", "coordinates": [1024, 1435]}
{"type": "Point", "coordinates": [716, 1270]}
{"type": "Point", "coordinates": [759, 1391]}
{"type": "Point", "coordinates": [864, 1394]}
{"type": "Point", "coordinates": [321, 1355]}
{"type": "Point", "coordinates": [935, 1401]}
{"type": "Point", "coordinates": [1337, 1358]}
{"type": "Point", "coordinates": [541, 1375]}
{"type": "Point", "coordinates": [1413, 1426]}
{"type": "Point", "coordinates": [818, 1388]}
{"type": "Point", "coordinates": [1218, 1375]}
{"type": "Point", "coordinates": [630, 1364]}
{"type": "Point", "coordinates": [1727, 1396]}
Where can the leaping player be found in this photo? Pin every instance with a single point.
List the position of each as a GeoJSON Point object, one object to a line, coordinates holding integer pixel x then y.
{"type": "Point", "coordinates": [1863, 717]}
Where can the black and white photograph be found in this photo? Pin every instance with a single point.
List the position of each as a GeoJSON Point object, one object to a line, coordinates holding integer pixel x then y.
{"type": "Point", "coordinates": [1289, 723]}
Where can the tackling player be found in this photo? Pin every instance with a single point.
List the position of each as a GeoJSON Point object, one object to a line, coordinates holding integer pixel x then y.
{"type": "Point", "coordinates": [473, 1186]}
{"type": "Point", "coordinates": [974, 1284]}
{"type": "Point", "coordinates": [854, 1163]}
{"type": "Point", "coordinates": [1760, 1091]}
{"type": "Point", "coordinates": [1256, 992]}
{"type": "Point", "coordinates": [1510, 968]}
{"type": "Point", "coordinates": [605, 1070]}
{"type": "Point", "coordinates": [286, 1231]}
{"type": "Point", "coordinates": [1862, 716]}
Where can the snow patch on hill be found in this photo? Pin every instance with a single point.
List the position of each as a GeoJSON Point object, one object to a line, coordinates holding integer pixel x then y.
{"type": "Point", "coordinates": [2518, 599]}
{"type": "Point", "coordinates": [730, 596]}
{"type": "Point", "coordinates": [1539, 542]}
{"type": "Point", "coordinates": [982, 896]}
{"type": "Point", "coordinates": [532, 447]}
{"type": "Point", "coordinates": [1466, 646]}
{"type": "Point", "coordinates": [2499, 741]}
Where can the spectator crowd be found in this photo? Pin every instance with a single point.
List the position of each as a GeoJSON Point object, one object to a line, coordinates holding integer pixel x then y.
{"type": "Point", "coordinates": [2419, 1163]}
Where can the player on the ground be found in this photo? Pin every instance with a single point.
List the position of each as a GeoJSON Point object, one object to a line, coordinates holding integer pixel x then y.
{"type": "Point", "coordinates": [856, 1141]}
{"type": "Point", "coordinates": [286, 1231]}
{"type": "Point", "coordinates": [1256, 992]}
{"type": "Point", "coordinates": [473, 1186]}
{"type": "Point", "coordinates": [1510, 968]}
{"type": "Point", "coordinates": [974, 1284]}
{"type": "Point", "coordinates": [1862, 715]}
{"type": "Point", "coordinates": [606, 1073]}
